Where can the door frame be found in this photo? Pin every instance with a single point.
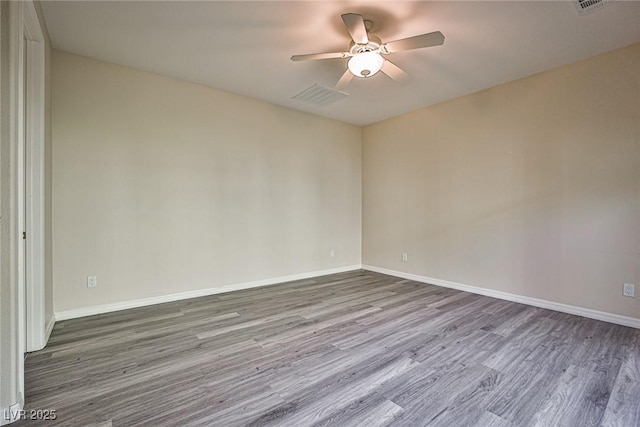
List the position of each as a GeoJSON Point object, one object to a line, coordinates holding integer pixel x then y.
{"type": "Point", "coordinates": [35, 181]}
{"type": "Point", "coordinates": [27, 175]}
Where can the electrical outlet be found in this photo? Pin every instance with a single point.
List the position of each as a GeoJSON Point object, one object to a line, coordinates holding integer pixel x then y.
{"type": "Point", "coordinates": [92, 281]}
{"type": "Point", "coordinates": [629, 290]}
{"type": "Point", "coordinates": [405, 258]}
{"type": "Point", "coordinates": [314, 255]}
{"type": "Point", "coordinates": [332, 253]}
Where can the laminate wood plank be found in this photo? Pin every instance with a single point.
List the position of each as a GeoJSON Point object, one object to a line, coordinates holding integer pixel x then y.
{"type": "Point", "coordinates": [428, 401]}
{"type": "Point", "coordinates": [402, 315]}
{"type": "Point", "coordinates": [304, 375]}
{"type": "Point", "coordinates": [574, 401]}
{"type": "Point", "coordinates": [511, 357]}
{"type": "Point", "coordinates": [404, 297]}
{"type": "Point", "coordinates": [467, 406]}
{"type": "Point", "coordinates": [524, 394]}
{"type": "Point", "coordinates": [373, 412]}
{"type": "Point", "coordinates": [365, 297]}
{"type": "Point", "coordinates": [510, 321]}
{"type": "Point", "coordinates": [621, 408]}
{"type": "Point", "coordinates": [489, 419]}
{"type": "Point", "coordinates": [338, 391]}
{"type": "Point", "coordinates": [215, 331]}
{"type": "Point", "coordinates": [315, 327]}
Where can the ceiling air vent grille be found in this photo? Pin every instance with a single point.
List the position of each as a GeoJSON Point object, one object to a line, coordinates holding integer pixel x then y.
{"type": "Point", "coordinates": [588, 6]}
{"type": "Point", "coordinates": [320, 95]}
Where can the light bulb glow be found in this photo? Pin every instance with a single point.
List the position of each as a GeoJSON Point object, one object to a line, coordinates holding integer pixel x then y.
{"type": "Point", "coordinates": [365, 64]}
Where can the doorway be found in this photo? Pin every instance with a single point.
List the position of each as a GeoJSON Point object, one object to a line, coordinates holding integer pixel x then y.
{"type": "Point", "coordinates": [28, 176]}
{"type": "Point", "coordinates": [34, 191]}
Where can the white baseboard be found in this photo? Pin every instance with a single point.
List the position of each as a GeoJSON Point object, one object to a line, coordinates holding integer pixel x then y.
{"type": "Point", "coordinates": [12, 413]}
{"type": "Point", "coordinates": [49, 329]}
{"type": "Point", "coordinates": [556, 306]}
{"type": "Point", "coordinates": [107, 308]}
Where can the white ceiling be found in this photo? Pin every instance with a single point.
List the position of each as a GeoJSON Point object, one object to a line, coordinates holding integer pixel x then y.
{"type": "Point", "coordinates": [244, 47]}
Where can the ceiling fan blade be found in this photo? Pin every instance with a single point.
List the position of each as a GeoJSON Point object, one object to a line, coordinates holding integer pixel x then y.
{"type": "Point", "coordinates": [356, 28]}
{"type": "Point", "coordinates": [416, 42]}
{"type": "Point", "coordinates": [393, 71]}
{"type": "Point", "coordinates": [329, 55]}
{"type": "Point", "coordinates": [344, 80]}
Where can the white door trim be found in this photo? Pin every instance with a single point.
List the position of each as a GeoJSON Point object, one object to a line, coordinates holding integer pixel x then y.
{"type": "Point", "coordinates": [35, 185]}
{"type": "Point", "coordinates": [25, 26]}
{"type": "Point", "coordinates": [16, 171]}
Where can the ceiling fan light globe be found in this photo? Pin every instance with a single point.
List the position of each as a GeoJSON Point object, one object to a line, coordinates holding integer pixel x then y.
{"type": "Point", "coordinates": [365, 64]}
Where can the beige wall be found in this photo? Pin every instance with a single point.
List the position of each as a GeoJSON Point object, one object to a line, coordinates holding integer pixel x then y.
{"type": "Point", "coordinates": [162, 186]}
{"type": "Point", "coordinates": [531, 187]}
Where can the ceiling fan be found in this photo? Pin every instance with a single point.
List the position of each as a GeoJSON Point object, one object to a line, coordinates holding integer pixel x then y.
{"type": "Point", "coordinates": [366, 50]}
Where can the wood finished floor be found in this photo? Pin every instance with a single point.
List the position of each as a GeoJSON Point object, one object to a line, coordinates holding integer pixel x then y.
{"type": "Point", "coordinates": [352, 349]}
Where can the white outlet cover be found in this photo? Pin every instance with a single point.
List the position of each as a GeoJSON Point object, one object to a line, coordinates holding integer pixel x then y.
{"type": "Point", "coordinates": [629, 290]}
{"type": "Point", "coordinates": [92, 281]}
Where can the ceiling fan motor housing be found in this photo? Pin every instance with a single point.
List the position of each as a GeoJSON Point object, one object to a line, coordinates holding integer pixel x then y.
{"type": "Point", "coordinates": [373, 46]}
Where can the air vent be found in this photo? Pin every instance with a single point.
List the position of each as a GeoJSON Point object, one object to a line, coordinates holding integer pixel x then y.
{"type": "Point", "coordinates": [320, 95]}
{"type": "Point", "coordinates": [588, 6]}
